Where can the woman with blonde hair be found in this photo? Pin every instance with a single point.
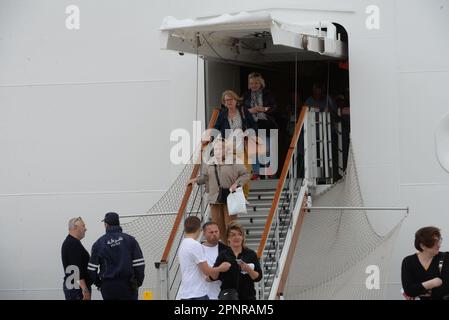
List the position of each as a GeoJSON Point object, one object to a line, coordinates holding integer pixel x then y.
{"type": "Point", "coordinates": [261, 104]}
{"type": "Point", "coordinates": [232, 120]}
{"type": "Point", "coordinates": [234, 116]}
{"type": "Point", "coordinates": [219, 174]}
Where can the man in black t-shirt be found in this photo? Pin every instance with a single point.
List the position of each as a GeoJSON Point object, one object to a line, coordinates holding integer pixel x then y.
{"type": "Point", "coordinates": [77, 284]}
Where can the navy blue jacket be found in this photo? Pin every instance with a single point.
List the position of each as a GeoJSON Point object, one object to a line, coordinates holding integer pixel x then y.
{"type": "Point", "coordinates": [223, 123]}
{"type": "Point", "coordinates": [116, 256]}
{"type": "Point", "coordinates": [267, 97]}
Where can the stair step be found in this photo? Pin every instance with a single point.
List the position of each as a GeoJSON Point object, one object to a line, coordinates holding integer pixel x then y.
{"type": "Point", "coordinates": [258, 196]}
{"type": "Point", "coordinates": [264, 212]}
{"type": "Point", "coordinates": [253, 228]}
{"type": "Point", "coordinates": [267, 192]}
{"type": "Point", "coordinates": [268, 248]}
{"type": "Point", "coordinates": [257, 233]}
{"type": "Point", "coordinates": [264, 204]}
{"type": "Point", "coordinates": [263, 184]}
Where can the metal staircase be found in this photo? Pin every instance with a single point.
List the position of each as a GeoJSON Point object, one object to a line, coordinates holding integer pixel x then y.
{"type": "Point", "coordinates": [276, 210]}
{"type": "Point", "coordinates": [260, 200]}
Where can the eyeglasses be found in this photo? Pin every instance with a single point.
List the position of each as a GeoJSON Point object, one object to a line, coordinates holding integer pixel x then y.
{"type": "Point", "coordinates": [227, 100]}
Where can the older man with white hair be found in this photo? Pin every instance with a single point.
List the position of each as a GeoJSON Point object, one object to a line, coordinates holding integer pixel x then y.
{"type": "Point", "coordinates": [75, 258]}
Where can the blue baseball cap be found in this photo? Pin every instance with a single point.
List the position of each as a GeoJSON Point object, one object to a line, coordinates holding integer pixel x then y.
{"type": "Point", "coordinates": [112, 219]}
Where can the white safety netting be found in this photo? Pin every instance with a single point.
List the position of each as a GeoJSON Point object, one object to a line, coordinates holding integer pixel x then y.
{"type": "Point", "coordinates": [152, 230]}
{"type": "Point", "coordinates": [339, 253]}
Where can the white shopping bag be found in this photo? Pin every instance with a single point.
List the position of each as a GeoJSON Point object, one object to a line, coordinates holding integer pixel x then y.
{"type": "Point", "coordinates": [236, 202]}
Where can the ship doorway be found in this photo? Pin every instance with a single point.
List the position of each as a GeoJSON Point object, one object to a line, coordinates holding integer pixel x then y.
{"type": "Point", "coordinates": [291, 82]}
{"type": "Point", "coordinates": [301, 63]}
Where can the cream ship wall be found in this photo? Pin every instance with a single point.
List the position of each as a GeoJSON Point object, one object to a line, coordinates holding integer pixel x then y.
{"type": "Point", "coordinates": [85, 118]}
{"type": "Point", "coordinates": [85, 122]}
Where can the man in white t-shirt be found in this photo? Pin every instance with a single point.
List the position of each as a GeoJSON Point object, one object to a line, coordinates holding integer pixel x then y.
{"type": "Point", "coordinates": [193, 262]}
{"type": "Point", "coordinates": [212, 247]}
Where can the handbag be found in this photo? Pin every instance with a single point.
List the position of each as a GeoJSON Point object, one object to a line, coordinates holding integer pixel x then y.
{"type": "Point", "coordinates": [228, 294]}
{"type": "Point", "coordinates": [222, 192]}
{"type": "Point", "coordinates": [236, 202]}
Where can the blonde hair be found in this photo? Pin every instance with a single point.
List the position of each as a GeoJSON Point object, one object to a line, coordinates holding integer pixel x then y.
{"type": "Point", "coordinates": [257, 77]}
{"type": "Point", "coordinates": [231, 94]}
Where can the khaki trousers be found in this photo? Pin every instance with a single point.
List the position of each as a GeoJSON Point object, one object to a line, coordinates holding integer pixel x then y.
{"type": "Point", "coordinates": [219, 215]}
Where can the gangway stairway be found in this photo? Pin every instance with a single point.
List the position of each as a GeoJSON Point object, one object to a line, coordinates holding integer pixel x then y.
{"type": "Point", "coordinates": [275, 213]}
{"type": "Point", "coordinates": [278, 211]}
{"type": "Point", "coordinates": [260, 199]}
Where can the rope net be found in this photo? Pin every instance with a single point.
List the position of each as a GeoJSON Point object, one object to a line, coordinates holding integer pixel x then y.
{"type": "Point", "coordinates": [338, 250]}
{"type": "Point", "coordinates": [152, 230]}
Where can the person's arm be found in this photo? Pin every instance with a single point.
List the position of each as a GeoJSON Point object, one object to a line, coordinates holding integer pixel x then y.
{"type": "Point", "coordinates": [250, 122]}
{"type": "Point", "coordinates": [413, 287]}
{"type": "Point", "coordinates": [74, 258]}
{"type": "Point", "coordinates": [243, 177]}
{"type": "Point", "coordinates": [213, 272]}
{"type": "Point", "coordinates": [246, 102]}
{"type": "Point", "coordinates": [202, 178]}
{"type": "Point", "coordinates": [138, 263]}
{"type": "Point", "coordinates": [84, 289]}
{"type": "Point", "coordinates": [433, 283]}
{"type": "Point", "coordinates": [271, 103]}
{"type": "Point", "coordinates": [253, 110]}
{"type": "Point", "coordinates": [94, 265]}
{"type": "Point", "coordinates": [219, 123]}
{"type": "Point", "coordinates": [250, 271]}
{"type": "Point", "coordinates": [256, 273]}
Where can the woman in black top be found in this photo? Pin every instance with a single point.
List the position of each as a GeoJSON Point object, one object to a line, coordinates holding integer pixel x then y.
{"type": "Point", "coordinates": [245, 267]}
{"type": "Point", "coordinates": [425, 275]}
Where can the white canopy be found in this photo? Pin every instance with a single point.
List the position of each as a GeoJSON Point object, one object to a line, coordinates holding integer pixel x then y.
{"type": "Point", "coordinates": [256, 37]}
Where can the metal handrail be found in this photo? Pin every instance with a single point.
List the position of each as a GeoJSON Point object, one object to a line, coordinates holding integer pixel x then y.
{"type": "Point", "coordinates": [169, 270]}
{"type": "Point", "coordinates": [185, 198]}
{"type": "Point", "coordinates": [361, 208]}
{"type": "Point", "coordinates": [168, 213]}
{"type": "Point", "coordinates": [281, 182]}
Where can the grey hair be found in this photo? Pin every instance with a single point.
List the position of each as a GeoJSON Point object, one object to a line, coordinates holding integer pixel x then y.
{"type": "Point", "coordinates": [72, 223]}
{"type": "Point", "coordinates": [258, 77]}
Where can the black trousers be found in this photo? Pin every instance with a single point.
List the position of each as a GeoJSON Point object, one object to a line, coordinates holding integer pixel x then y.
{"type": "Point", "coordinates": [118, 290]}
{"type": "Point", "coordinates": [73, 294]}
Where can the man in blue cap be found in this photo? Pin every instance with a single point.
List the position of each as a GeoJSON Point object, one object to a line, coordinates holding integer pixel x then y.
{"type": "Point", "coordinates": [116, 265]}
